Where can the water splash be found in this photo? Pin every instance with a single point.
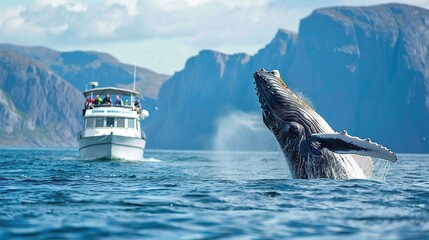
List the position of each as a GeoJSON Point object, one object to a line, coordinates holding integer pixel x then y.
{"type": "Point", "coordinates": [303, 97]}
{"type": "Point", "coordinates": [381, 169]}
{"type": "Point", "coordinates": [241, 131]}
{"type": "Point", "coordinates": [374, 168]}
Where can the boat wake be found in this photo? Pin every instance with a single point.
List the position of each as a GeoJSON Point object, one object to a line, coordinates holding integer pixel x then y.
{"type": "Point", "coordinates": [151, 160]}
{"type": "Point", "coordinates": [69, 158]}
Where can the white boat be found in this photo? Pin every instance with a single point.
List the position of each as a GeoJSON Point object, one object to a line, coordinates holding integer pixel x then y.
{"type": "Point", "coordinates": [112, 131]}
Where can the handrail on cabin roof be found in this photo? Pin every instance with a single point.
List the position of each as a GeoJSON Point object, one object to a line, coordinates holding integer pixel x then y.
{"type": "Point", "coordinates": [110, 90]}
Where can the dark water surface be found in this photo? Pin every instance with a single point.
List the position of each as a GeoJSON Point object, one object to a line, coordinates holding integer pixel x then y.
{"type": "Point", "coordinates": [52, 194]}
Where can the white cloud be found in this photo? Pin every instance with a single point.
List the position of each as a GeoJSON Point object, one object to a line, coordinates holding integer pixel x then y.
{"type": "Point", "coordinates": [131, 5]}
{"type": "Point", "coordinates": [72, 6]}
{"type": "Point", "coordinates": [198, 21]}
{"type": "Point", "coordinates": [14, 27]}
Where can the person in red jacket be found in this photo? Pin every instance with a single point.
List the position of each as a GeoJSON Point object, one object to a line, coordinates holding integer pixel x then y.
{"type": "Point", "coordinates": [89, 103]}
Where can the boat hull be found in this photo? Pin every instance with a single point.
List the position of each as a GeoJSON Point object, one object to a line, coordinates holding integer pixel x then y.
{"type": "Point", "coordinates": [112, 147]}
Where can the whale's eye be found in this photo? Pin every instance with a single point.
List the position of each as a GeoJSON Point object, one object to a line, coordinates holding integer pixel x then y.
{"type": "Point", "coordinates": [295, 131]}
{"type": "Point", "coordinates": [294, 127]}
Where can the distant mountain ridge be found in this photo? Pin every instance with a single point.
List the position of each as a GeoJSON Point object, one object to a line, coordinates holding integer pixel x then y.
{"type": "Point", "coordinates": [77, 67]}
{"type": "Point", "coordinates": [365, 69]}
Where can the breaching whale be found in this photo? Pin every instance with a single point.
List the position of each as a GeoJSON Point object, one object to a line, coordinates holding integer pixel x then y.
{"type": "Point", "coordinates": [310, 146]}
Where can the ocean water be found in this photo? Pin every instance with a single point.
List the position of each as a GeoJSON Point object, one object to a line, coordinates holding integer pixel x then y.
{"type": "Point", "coordinates": [52, 194]}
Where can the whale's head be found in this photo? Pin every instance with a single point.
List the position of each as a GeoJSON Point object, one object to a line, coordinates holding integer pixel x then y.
{"type": "Point", "coordinates": [287, 116]}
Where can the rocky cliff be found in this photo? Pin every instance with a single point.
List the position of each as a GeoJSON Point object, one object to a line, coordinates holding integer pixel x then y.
{"type": "Point", "coordinates": [38, 108]}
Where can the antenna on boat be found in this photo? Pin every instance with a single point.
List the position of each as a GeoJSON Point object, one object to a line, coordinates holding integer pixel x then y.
{"type": "Point", "coordinates": [134, 83]}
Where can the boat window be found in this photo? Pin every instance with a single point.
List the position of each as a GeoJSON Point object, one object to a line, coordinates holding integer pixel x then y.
{"type": "Point", "coordinates": [130, 122]}
{"type": "Point", "coordinates": [120, 122]}
{"type": "Point", "coordinates": [90, 122]}
{"type": "Point", "coordinates": [110, 121]}
{"type": "Point", "coordinates": [138, 125]}
{"type": "Point", "coordinates": [99, 122]}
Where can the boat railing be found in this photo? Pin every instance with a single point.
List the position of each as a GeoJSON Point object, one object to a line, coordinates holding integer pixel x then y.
{"type": "Point", "coordinates": [111, 105]}
{"type": "Point", "coordinates": [133, 108]}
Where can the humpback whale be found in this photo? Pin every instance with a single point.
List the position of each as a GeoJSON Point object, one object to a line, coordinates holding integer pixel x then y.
{"type": "Point", "coordinates": [311, 147]}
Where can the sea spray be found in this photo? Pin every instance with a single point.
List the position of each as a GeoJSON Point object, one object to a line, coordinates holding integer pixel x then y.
{"type": "Point", "coordinates": [241, 131]}
{"type": "Point", "coordinates": [238, 132]}
{"type": "Point", "coordinates": [303, 97]}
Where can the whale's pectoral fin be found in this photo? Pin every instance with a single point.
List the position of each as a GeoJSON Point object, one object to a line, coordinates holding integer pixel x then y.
{"type": "Point", "coordinates": [343, 143]}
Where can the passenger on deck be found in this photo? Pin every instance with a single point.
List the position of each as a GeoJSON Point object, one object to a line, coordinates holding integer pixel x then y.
{"type": "Point", "coordinates": [89, 103]}
{"type": "Point", "coordinates": [118, 101]}
{"type": "Point", "coordinates": [137, 105]}
{"type": "Point", "coordinates": [107, 100]}
{"type": "Point", "coordinates": [98, 100]}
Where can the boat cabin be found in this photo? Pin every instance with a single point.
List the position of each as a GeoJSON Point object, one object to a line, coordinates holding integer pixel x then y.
{"type": "Point", "coordinates": [117, 119]}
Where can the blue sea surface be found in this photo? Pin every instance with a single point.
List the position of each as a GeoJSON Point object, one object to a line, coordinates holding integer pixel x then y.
{"type": "Point", "coordinates": [52, 194]}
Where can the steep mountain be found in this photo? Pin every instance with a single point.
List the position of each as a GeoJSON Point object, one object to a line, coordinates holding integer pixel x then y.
{"type": "Point", "coordinates": [365, 69]}
{"type": "Point", "coordinates": [38, 108]}
{"type": "Point", "coordinates": [278, 54]}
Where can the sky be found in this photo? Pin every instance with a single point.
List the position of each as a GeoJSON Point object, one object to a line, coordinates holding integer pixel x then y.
{"type": "Point", "coordinates": [157, 34]}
